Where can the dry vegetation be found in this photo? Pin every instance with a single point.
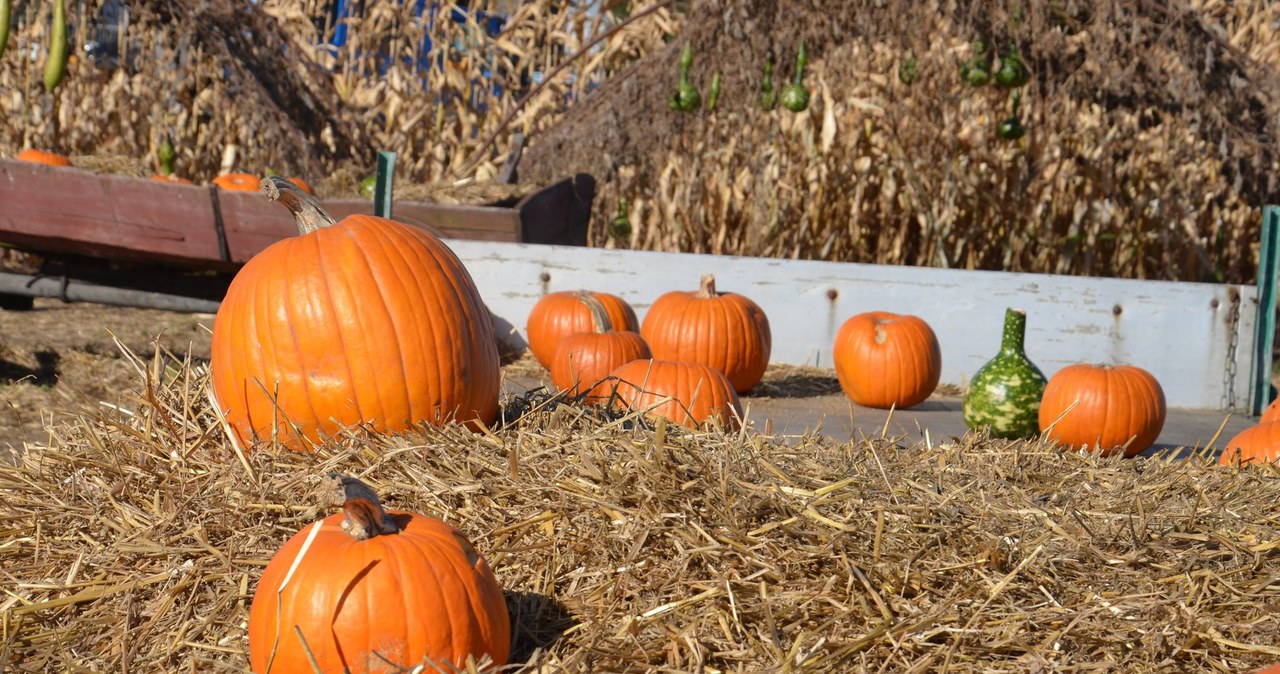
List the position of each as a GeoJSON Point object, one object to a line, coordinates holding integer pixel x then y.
{"type": "Point", "coordinates": [132, 542]}
{"type": "Point", "coordinates": [1151, 144]}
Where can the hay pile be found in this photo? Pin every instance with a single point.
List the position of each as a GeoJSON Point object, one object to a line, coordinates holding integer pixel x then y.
{"type": "Point", "coordinates": [133, 541]}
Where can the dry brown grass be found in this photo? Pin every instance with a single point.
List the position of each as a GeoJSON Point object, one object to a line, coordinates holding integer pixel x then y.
{"type": "Point", "coordinates": [133, 539]}
{"type": "Point", "coordinates": [1151, 146]}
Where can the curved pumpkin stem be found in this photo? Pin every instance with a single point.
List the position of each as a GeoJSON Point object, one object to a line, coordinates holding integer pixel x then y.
{"type": "Point", "coordinates": [365, 516]}
{"type": "Point", "coordinates": [308, 213]}
{"type": "Point", "coordinates": [708, 286]}
{"type": "Point", "coordinates": [600, 320]}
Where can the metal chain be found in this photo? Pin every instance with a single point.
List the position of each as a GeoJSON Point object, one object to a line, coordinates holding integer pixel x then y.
{"type": "Point", "coordinates": [1233, 342]}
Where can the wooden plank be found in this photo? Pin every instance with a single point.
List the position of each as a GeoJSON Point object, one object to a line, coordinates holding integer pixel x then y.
{"type": "Point", "coordinates": [252, 222]}
{"type": "Point", "coordinates": [68, 210]}
{"type": "Point", "coordinates": [478, 223]}
{"type": "Point", "coordinates": [1182, 332]}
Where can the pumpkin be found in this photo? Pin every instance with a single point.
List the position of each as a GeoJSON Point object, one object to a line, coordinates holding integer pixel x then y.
{"type": "Point", "coordinates": [238, 182]}
{"type": "Point", "coordinates": [560, 314]}
{"type": "Point", "coordinates": [171, 179]}
{"type": "Point", "coordinates": [1272, 413]}
{"type": "Point", "coordinates": [1103, 407]}
{"type": "Point", "coordinates": [375, 590]}
{"type": "Point", "coordinates": [887, 360]}
{"type": "Point", "coordinates": [43, 157]}
{"type": "Point", "coordinates": [302, 185]}
{"type": "Point", "coordinates": [364, 321]}
{"type": "Point", "coordinates": [694, 393]}
{"type": "Point", "coordinates": [1259, 443]}
{"type": "Point", "coordinates": [725, 331]}
{"type": "Point", "coordinates": [583, 361]}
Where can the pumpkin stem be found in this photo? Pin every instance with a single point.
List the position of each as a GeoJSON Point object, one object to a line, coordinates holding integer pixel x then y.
{"type": "Point", "coordinates": [365, 516]}
{"type": "Point", "coordinates": [308, 213]}
{"type": "Point", "coordinates": [708, 286]}
{"type": "Point", "coordinates": [600, 320]}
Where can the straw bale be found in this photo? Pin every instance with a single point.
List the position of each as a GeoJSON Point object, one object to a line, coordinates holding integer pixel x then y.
{"type": "Point", "coordinates": [132, 542]}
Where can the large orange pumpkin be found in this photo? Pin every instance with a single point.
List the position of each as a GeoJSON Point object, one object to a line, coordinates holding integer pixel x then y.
{"type": "Point", "coordinates": [887, 360]}
{"type": "Point", "coordinates": [364, 321]}
{"type": "Point", "coordinates": [560, 314]}
{"type": "Point", "coordinates": [376, 591]}
{"type": "Point", "coordinates": [1103, 407]}
{"type": "Point", "coordinates": [43, 157]}
{"type": "Point", "coordinates": [584, 360]}
{"type": "Point", "coordinates": [1259, 443]}
{"type": "Point", "coordinates": [1271, 413]}
{"type": "Point", "coordinates": [722, 330]}
{"type": "Point", "coordinates": [694, 393]}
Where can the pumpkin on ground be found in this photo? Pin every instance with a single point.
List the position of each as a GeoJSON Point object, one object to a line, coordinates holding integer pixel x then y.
{"type": "Point", "coordinates": [1259, 443]}
{"type": "Point", "coordinates": [887, 360]}
{"type": "Point", "coordinates": [369, 590]}
{"type": "Point", "coordinates": [364, 321]}
{"type": "Point", "coordinates": [43, 157]}
{"type": "Point", "coordinates": [583, 361]}
{"type": "Point", "coordinates": [1271, 413]}
{"type": "Point", "coordinates": [560, 314]}
{"type": "Point", "coordinates": [686, 393]}
{"type": "Point", "coordinates": [722, 330]}
{"type": "Point", "coordinates": [1103, 407]}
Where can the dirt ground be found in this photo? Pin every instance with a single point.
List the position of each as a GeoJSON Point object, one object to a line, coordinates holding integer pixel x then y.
{"type": "Point", "coordinates": [59, 357]}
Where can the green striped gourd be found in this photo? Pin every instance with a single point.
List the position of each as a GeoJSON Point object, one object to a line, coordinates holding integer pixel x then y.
{"type": "Point", "coordinates": [1004, 394]}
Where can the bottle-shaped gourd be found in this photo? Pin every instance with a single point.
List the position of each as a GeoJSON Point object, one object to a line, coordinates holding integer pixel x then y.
{"type": "Point", "coordinates": [1004, 395]}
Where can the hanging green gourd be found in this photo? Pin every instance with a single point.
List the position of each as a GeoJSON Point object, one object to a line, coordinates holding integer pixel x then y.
{"type": "Point", "coordinates": [686, 98]}
{"type": "Point", "coordinates": [1004, 395]}
{"type": "Point", "coordinates": [620, 225]}
{"type": "Point", "coordinates": [55, 68]}
{"type": "Point", "coordinates": [977, 70]}
{"type": "Point", "coordinates": [768, 95]}
{"type": "Point", "coordinates": [1012, 73]}
{"type": "Point", "coordinates": [907, 71]}
{"type": "Point", "coordinates": [1011, 128]}
{"type": "Point", "coordinates": [795, 97]}
{"type": "Point", "coordinates": [713, 93]}
{"type": "Point", "coordinates": [166, 154]}
{"type": "Point", "coordinates": [6, 12]}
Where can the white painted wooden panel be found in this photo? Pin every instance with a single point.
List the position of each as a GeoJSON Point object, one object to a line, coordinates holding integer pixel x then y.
{"type": "Point", "coordinates": [1180, 332]}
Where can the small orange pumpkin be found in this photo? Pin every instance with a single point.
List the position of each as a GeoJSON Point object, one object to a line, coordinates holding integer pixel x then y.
{"type": "Point", "coordinates": [584, 360]}
{"type": "Point", "coordinates": [302, 185]}
{"type": "Point", "coordinates": [171, 179]}
{"type": "Point", "coordinates": [238, 182]}
{"type": "Point", "coordinates": [364, 321]}
{"type": "Point", "coordinates": [43, 157]}
{"type": "Point", "coordinates": [560, 314]}
{"type": "Point", "coordinates": [887, 360]}
{"type": "Point", "coordinates": [1103, 407]}
{"type": "Point", "coordinates": [694, 393]}
{"type": "Point", "coordinates": [376, 591]}
{"type": "Point", "coordinates": [1259, 443]}
{"type": "Point", "coordinates": [722, 330]}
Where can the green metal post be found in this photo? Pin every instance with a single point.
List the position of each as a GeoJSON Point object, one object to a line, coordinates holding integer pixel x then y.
{"type": "Point", "coordinates": [382, 184]}
{"type": "Point", "coordinates": [1264, 329]}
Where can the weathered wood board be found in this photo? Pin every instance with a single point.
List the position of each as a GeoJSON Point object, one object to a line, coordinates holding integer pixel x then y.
{"type": "Point", "coordinates": [1184, 333]}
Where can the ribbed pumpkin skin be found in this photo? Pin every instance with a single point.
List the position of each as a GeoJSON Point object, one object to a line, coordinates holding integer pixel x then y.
{"type": "Point", "coordinates": [365, 321]}
{"type": "Point", "coordinates": [887, 360]}
{"type": "Point", "coordinates": [727, 332]}
{"type": "Point", "coordinates": [697, 392]}
{"type": "Point", "coordinates": [585, 358]}
{"type": "Point", "coordinates": [421, 593]}
{"type": "Point", "coordinates": [1116, 403]}
{"type": "Point", "coordinates": [43, 157]}
{"type": "Point", "coordinates": [1259, 443]}
{"type": "Point", "coordinates": [560, 314]}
